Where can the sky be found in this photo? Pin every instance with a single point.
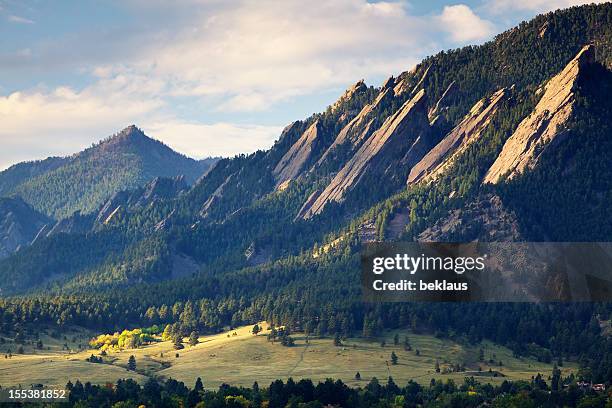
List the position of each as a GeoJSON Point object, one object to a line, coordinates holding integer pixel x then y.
{"type": "Point", "coordinates": [211, 77]}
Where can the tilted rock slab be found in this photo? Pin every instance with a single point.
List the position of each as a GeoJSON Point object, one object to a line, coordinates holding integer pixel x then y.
{"type": "Point", "coordinates": [292, 163]}
{"type": "Point", "coordinates": [403, 128]}
{"type": "Point", "coordinates": [360, 127]}
{"type": "Point", "coordinates": [457, 141]}
{"type": "Point", "coordinates": [523, 149]}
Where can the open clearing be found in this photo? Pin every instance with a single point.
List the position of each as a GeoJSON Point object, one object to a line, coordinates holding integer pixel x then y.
{"type": "Point", "coordinates": [243, 358]}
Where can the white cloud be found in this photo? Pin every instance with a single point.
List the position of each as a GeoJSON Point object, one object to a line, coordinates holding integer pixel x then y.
{"type": "Point", "coordinates": [464, 25]}
{"type": "Point", "coordinates": [219, 139]}
{"type": "Point", "coordinates": [256, 54]}
{"type": "Point", "coordinates": [537, 6]}
{"type": "Point", "coordinates": [219, 59]}
{"type": "Point", "coordinates": [20, 20]}
{"type": "Point", "coordinates": [62, 121]}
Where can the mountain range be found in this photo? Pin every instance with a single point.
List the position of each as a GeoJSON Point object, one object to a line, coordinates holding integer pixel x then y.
{"type": "Point", "coordinates": [485, 127]}
{"type": "Point", "coordinates": [60, 186]}
{"type": "Point", "coordinates": [506, 141]}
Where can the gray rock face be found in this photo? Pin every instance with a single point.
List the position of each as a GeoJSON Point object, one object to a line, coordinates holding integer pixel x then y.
{"type": "Point", "coordinates": [465, 133]}
{"type": "Point", "coordinates": [294, 161]}
{"type": "Point", "coordinates": [523, 149]}
{"type": "Point", "coordinates": [361, 126]}
{"type": "Point", "coordinates": [405, 131]}
{"type": "Point", "coordinates": [485, 219]}
{"type": "Point", "coordinates": [19, 225]}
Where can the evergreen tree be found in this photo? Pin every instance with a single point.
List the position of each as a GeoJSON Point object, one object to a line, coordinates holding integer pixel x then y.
{"type": "Point", "coordinates": [131, 363]}
{"type": "Point", "coordinates": [199, 385]}
{"type": "Point", "coordinates": [193, 338]}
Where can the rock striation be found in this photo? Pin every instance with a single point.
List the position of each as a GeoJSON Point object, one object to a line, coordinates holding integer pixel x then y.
{"type": "Point", "coordinates": [458, 139]}
{"type": "Point", "coordinates": [400, 135]}
{"type": "Point", "coordinates": [523, 149]}
{"type": "Point", "coordinates": [362, 125]}
{"type": "Point", "coordinates": [298, 155]}
{"type": "Point", "coordinates": [19, 224]}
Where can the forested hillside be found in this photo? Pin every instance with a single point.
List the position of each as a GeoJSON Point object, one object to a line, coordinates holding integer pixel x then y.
{"type": "Point", "coordinates": [276, 235]}
{"type": "Point", "coordinates": [60, 186]}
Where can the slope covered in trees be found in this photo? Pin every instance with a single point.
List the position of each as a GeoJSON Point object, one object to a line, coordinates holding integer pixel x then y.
{"type": "Point", "coordinates": [116, 276]}
{"type": "Point", "coordinates": [60, 186]}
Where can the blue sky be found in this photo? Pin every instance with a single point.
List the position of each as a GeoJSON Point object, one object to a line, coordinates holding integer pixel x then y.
{"type": "Point", "coordinates": [210, 77]}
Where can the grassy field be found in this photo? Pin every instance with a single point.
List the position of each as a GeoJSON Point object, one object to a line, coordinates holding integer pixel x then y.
{"type": "Point", "coordinates": [243, 358]}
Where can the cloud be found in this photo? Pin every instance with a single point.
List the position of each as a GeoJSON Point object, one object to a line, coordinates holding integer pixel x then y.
{"type": "Point", "coordinates": [464, 25]}
{"type": "Point", "coordinates": [63, 121]}
{"type": "Point", "coordinates": [257, 54]}
{"type": "Point", "coordinates": [218, 139]}
{"type": "Point", "coordinates": [216, 60]}
{"type": "Point", "coordinates": [20, 20]}
{"type": "Point", "coordinates": [537, 6]}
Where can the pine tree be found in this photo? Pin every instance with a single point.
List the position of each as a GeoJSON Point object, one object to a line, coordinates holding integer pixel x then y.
{"type": "Point", "coordinates": [132, 363]}
{"type": "Point", "coordinates": [178, 342]}
{"type": "Point", "coordinates": [407, 345]}
{"type": "Point", "coordinates": [193, 338]}
{"type": "Point", "coordinates": [199, 386]}
{"type": "Point", "coordinates": [393, 358]}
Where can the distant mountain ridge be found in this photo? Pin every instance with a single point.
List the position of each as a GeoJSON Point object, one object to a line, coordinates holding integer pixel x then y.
{"type": "Point", "coordinates": [58, 187]}
{"type": "Point", "coordinates": [404, 161]}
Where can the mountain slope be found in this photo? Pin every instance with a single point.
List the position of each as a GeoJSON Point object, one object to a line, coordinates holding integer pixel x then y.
{"type": "Point", "coordinates": [404, 137]}
{"type": "Point", "coordinates": [359, 183]}
{"type": "Point", "coordinates": [83, 181]}
{"type": "Point", "coordinates": [544, 124]}
{"type": "Point", "coordinates": [19, 225]}
{"type": "Point", "coordinates": [22, 172]}
{"type": "Point", "coordinates": [245, 257]}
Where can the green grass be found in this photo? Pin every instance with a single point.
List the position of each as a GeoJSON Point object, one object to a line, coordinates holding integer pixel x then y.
{"type": "Point", "coordinates": [244, 358]}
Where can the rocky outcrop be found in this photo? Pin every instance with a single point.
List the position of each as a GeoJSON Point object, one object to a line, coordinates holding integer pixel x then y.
{"type": "Point", "coordinates": [435, 110]}
{"type": "Point", "coordinates": [484, 219]}
{"type": "Point", "coordinates": [215, 196]}
{"type": "Point", "coordinates": [362, 125]}
{"type": "Point", "coordinates": [160, 188]}
{"type": "Point", "coordinates": [523, 149]}
{"type": "Point", "coordinates": [298, 155]}
{"type": "Point", "coordinates": [19, 225]}
{"type": "Point", "coordinates": [257, 254]}
{"type": "Point", "coordinates": [465, 133]}
{"type": "Point", "coordinates": [357, 88]}
{"type": "Point", "coordinates": [401, 133]}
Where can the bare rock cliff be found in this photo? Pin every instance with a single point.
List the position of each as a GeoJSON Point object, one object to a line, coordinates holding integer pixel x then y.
{"type": "Point", "coordinates": [398, 134]}
{"type": "Point", "coordinates": [523, 149]}
{"type": "Point", "coordinates": [293, 162]}
{"type": "Point", "coordinates": [362, 125]}
{"type": "Point", "coordinates": [465, 133]}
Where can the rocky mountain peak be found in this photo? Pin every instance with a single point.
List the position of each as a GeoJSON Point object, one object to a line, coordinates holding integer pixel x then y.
{"type": "Point", "coordinates": [400, 132]}
{"type": "Point", "coordinates": [523, 149]}
{"type": "Point", "coordinates": [353, 90]}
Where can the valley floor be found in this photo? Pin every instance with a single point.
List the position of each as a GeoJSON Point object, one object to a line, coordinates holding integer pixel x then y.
{"type": "Point", "coordinates": [242, 358]}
